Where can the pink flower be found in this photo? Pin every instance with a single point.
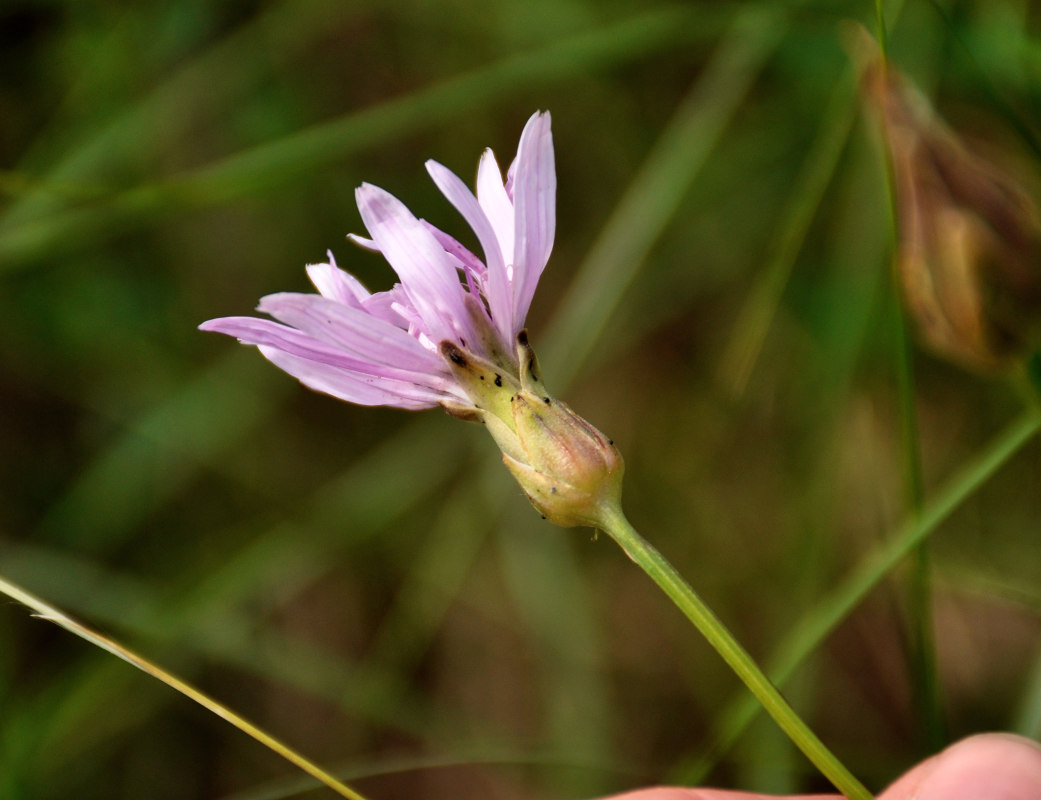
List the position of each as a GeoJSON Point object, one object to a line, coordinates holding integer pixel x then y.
{"type": "Point", "coordinates": [451, 333]}
{"type": "Point", "coordinates": [386, 348]}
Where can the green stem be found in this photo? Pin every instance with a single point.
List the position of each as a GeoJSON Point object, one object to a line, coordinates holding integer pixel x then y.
{"type": "Point", "coordinates": [808, 633]}
{"type": "Point", "coordinates": [922, 657]}
{"type": "Point", "coordinates": [880, 22]}
{"type": "Point", "coordinates": [647, 557]}
{"type": "Point", "coordinates": [920, 603]}
{"type": "Point", "coordinates": [1032, 372]}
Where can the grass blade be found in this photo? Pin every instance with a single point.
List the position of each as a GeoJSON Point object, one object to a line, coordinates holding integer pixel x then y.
{"type": "Point", "coordinates": [52, 614]}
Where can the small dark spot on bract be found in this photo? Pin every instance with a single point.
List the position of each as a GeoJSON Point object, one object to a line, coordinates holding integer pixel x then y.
{"type": "Point", "coordinates": [457, 358]}
{"type": "Point", "coordinates": [481, 377]}
{"type": "Point", "coordinates": [498, 380]}
{"type": "Point", "coordinates": [611, 442]}
{"type": "Point", "coordinates": [545, 400]}
{"type": "Point", "coordinates": [553, 490]}
{"type": "Point", "coordinates": [522, 337]}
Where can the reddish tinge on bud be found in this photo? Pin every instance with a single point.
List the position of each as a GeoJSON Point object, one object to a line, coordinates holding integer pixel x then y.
{"type": "Point", "coordinates": [568, 469]}
{"type": "Point", "coordinates": [970, 239]}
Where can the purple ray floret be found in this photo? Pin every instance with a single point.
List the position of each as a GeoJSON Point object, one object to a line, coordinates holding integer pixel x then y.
{"type": "Point", "coordinates": [383, 348]}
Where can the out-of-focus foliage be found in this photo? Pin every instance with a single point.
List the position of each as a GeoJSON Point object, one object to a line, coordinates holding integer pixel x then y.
{"type": "Point", "coordinates": [370, 585]}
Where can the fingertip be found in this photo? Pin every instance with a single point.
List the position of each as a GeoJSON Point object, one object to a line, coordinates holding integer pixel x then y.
{"type": "Point", "coordinates": [993, 766]}
{"type": "Point", "coordinates": [674, 793]}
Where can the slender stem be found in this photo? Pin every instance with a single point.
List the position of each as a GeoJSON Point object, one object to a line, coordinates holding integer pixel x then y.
{"type": "Point", "coordinates": [808, 633]}
{"type": "Point", "coordinates": [922, 657]}
{"type": "Point", "coordinates": [1032, 372]}
{"type": "Point", "coordinates": [647, 557]}
{"type": "Point", "coordinates": [46, 611]}
{"type": "Point", "coordinates": [880, 22]}
{"type": "Point", "coordinates": [919, 597]}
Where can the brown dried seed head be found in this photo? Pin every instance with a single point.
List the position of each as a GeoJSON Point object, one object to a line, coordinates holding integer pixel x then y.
{"type": "Point", "coordinates": [970, 239]}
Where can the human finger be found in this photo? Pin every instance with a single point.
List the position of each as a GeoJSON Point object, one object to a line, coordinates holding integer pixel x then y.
{"type": "Point", "coordinates": [992, 766]}
{"type": "Point", "coordinates": [672, 793]}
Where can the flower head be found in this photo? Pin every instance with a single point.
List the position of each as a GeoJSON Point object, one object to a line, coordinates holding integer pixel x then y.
{"type": "Point", "coordinates": [451, 332]}
{"type": "Point", "coordinates": [382, 348]}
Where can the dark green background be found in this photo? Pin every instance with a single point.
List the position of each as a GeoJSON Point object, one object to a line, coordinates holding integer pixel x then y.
{"type": "Point", "coordinates": [368, 584]}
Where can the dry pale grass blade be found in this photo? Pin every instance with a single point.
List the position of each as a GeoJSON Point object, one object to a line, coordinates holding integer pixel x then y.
{"type": "Point", "coordinates": [48, 612]}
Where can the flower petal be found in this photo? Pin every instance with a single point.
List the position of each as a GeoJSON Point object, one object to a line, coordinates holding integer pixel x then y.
{"type": "Point", "coordinates": [334, 283]}
{"type": "Point", "coordinates": [496, 203]}
{"type": "Point", "coordinates": [255, 331]}
{"type": "Point", "coordinates": [270, 336]}
{"type": "Point", "coordinates": [351, 330]}
{"type": "Point", "coordinates": [384, 348]}
{"type": "Point", "coordinates": [497, 281]}
{"type": "Point", "coordinates": [471, 265]}
{"type": "Point", "coordinates": [387, 306]}
{"type": "Point", "coordinates": [426, 272]}
{"type": "Point", "coordinates": [534, 203]}
{"type": "Point", "coordinates": [363, 243]}
{"type": "Point", "coordinates": [365, 390]}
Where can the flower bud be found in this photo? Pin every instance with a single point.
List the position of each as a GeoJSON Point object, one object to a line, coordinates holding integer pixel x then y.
{"type": "Point", "coordinates": [970, 239]}
{"type": "Point", "coordinates": [569, 470]}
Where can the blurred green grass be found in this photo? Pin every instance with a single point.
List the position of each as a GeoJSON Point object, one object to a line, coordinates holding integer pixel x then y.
{"type": "Point", "coordinates": [368, 584]}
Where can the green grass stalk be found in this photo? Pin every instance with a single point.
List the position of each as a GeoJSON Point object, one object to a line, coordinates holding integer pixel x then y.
{"type": "Point", "coordinates": [651, 561]}
{"type": "Point", "coordinates": [819, 622]}
{"type": "Point", "coordinates": [922, 656]}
